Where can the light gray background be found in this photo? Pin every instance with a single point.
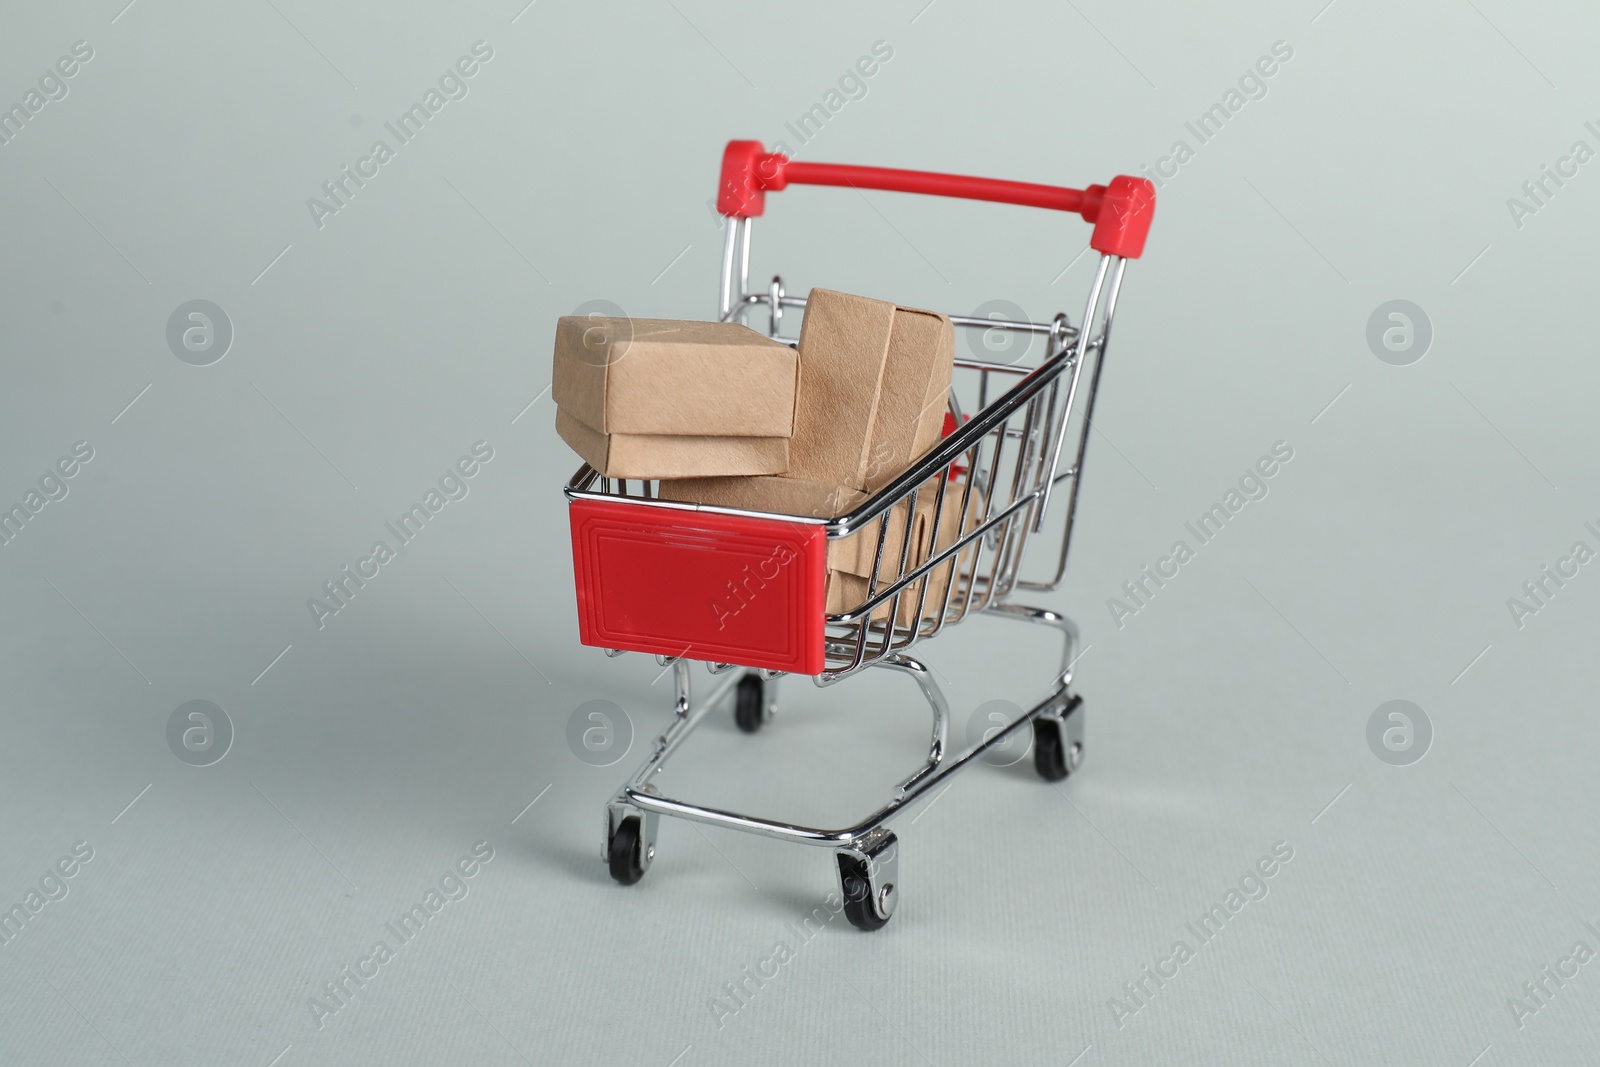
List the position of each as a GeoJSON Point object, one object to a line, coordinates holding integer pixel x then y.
{"type": "Point", "coordinates": [372, 352]}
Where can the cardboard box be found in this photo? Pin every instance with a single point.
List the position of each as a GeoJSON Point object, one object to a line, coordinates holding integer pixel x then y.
{"type": "Point", "coordinates": [854, 553]}
{"type": "Point", "coordinates": [656, 398]}
{"type": "Point", "coordinates": [915, 394]}
{"type": "Point", "coordinates": [634, 455]}
{"type": "Point", "coordinates": [783, 496]}
{"type": "Point", "coordinates": [849, 559]}
{"type": "Point", "coordinates": [951, 526]}
{"type": "Point", "coordinates": [793, 496]}
{"type": "Point", "coordinates": [867, 372]}
{"type": "Point", "coordinates": [846, 590]}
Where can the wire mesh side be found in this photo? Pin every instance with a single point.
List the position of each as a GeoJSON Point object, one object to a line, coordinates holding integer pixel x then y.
{"type": "Point", "coordinates": [963, 529]}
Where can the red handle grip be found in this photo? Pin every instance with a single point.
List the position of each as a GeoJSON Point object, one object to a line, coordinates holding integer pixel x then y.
{"type": "Point", "coordinates": [1121, 212]}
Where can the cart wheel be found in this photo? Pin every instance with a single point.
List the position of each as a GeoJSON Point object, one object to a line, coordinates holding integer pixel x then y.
{"type": "Point", "coordinates": [749, 706]}
{"type": "Point", "coordinates": [627, 866]}
{"type": "Point", "coordinates": [868, 886]}
{"type": "Point", "coordinates": [1058, 743]}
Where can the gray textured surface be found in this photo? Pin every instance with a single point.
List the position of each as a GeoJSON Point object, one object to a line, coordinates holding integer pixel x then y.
{"type": "Point", "coordinates": [372, 352]}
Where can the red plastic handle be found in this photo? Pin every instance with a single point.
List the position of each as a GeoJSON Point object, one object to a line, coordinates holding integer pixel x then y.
{"type": "Point", "coordinates": [1121, 212]}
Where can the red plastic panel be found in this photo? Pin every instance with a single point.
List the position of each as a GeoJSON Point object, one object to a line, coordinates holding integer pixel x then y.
{"type": "Point", "coordinates": [710, 587]}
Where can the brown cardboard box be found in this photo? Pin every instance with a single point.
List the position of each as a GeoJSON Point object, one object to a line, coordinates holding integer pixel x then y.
{"type": "Point", "coordinates": [844, 345]}
{"type": "Point", "coordinates": [783, 496]}
{"type": "Point", "coordinates": [854, 553]}
{"type": "Point", "coordinates": [793, 496]}
{"type": "Point", "coordinates": [951, 526]}
{"type": "Point", "coordinates": [846, 590]}
{"type": "Point", "coordinates": [656, 398]}
{"type": "Point", "coordinates": [868, 371]}
{"type": "Point", "coordinates": [915, 393]}
{"type": "Point", "coordinates": [849, 559]}
{"type": "Point", "coordinates": [638, 455]}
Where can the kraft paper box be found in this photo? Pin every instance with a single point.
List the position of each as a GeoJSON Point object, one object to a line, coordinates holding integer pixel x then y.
{"type": "Point", "coordinates": [636, 455]}
{"type": "Point", "coordinates": [846, 590]}
{"type": "Point", "coordinates": [854, 554]}
{"type": "Point", "coordinates": [951, 526]}
{"type": "Point", "coordinates": [915, 393]}
{"type": "Point", "coordinates": [657, 398]}
{"type": "Point", "coordinates": [873, 379]}
{"type": "Point", "coordinates": [783, 496]}
{"type": "Point", "coordinates": [794, 496]}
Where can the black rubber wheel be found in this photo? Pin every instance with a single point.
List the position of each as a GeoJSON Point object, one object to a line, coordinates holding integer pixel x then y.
{"type": "Point", "coordinates": [1054, 757]}
{"type": "Point", "coordinates": [858, 897]}
{"type": "Point", "coordinates": [625, 860]}
{"type": "Point", "coordinates": [749, 705]}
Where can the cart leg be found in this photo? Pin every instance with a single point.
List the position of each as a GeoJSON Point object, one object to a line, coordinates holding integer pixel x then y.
{"type": "Point", "coordinates": [868, 875]}
{"type": "Point", "coordinates": [936, 703]}
{"type": "Point", "coordinates": [1058, 730]}
{"type": "Point", "coordinates": [769, 688]}
{"type": "Point", "coordinates": [1046, 617]}
{"type": "Point", "coordinates": [629, 844]}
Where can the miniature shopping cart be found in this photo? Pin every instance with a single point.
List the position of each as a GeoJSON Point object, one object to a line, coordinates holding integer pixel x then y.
{"type": "Point", "coordinates": [645, 568]}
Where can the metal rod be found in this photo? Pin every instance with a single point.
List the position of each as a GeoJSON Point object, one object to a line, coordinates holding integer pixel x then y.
{"type": "Point", "coordinates": [950, 448]}
{"type": "Point", "coordinates": [684, 720]}
{"type": "Point", "coordinates": [1083, 434]}
{"type": "Point", "coordinates": [967, 321]}
{"type": "Point", "coordinates": [913, 791]}
{"type": "Point", "coordinates": [725, 289]}
{"type": "Point", "coordinates": [745, 233]}
{"type": "Point", "coordinates": [1077, 368]}
{"type": "Point", "coordinates": [1046, 617]}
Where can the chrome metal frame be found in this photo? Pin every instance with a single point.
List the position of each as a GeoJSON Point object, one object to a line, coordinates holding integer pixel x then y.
{"type": "Point", "coordinates": [641, 794]}
{"type": "Point", "coordinates": [1005, 461]}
